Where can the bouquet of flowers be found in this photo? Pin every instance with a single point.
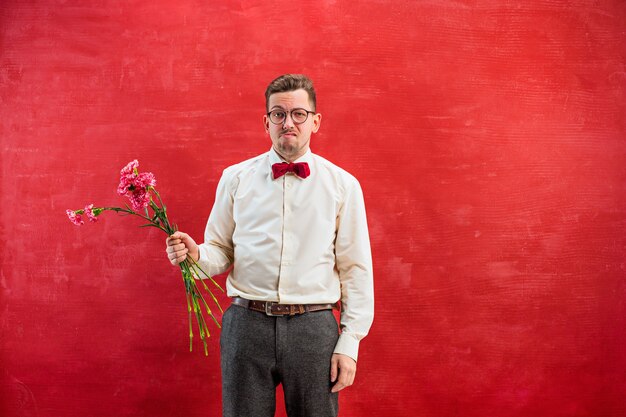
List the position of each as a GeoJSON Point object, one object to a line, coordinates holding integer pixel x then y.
{"type": "Point", "coordinates": [145, 202]}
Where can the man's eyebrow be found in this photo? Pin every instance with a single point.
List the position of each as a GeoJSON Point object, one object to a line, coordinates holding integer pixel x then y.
{"type": "Point", "coordinates": [276, 106]}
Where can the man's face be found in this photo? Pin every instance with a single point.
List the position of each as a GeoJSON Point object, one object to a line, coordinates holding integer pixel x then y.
{"type": "Point", "coordinates": [290, 139]}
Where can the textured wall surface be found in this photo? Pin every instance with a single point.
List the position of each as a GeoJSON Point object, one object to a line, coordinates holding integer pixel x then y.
{"type": "Point", "coordinates": [489, 139]}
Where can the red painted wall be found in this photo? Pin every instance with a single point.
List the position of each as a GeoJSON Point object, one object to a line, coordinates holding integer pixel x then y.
{"type": "Point", "coordinates": [489, 138]}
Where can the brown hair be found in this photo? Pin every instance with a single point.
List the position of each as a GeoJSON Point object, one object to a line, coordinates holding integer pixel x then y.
{"type": "Point", "coordinates": [291, 82]}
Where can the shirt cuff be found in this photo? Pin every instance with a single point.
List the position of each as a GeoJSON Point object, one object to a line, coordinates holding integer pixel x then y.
{"type": "Point", "coordinates": [347, 345]}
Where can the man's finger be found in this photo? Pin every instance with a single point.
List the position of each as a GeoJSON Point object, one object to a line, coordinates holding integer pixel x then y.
{"type": "Point", "coordinates": [333, 369]}
{"type": "Point", "coordinates": [178, 260]}
{"type": "Point", "coordinates": [346, 379]}
{"type": "Point", "coordinates": [179, 253]}
{"type": "Point", "coordinates": [176, 251]}
{"type": "Point", "coordinates": [337, 387]}
{"type": "Point", "coordinates": [173, 241]}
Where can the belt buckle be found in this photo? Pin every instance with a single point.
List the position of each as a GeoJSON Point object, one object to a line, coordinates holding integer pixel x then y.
{"type": "Point", "coordinates": [268, 308]}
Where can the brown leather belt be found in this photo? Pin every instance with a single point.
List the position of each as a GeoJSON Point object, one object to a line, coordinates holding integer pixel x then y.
{"type": "Point", "coordinates": [272, 308]}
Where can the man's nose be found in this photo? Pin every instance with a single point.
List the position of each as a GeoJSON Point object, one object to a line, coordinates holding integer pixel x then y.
{"type": "Point", "coordinates": [288, 122]}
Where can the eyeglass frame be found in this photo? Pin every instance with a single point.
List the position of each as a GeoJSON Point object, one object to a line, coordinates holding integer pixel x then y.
{"type": "Point", "coordinates": [290, 112]}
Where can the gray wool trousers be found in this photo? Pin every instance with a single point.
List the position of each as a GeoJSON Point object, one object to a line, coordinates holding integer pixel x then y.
{"type": "Point", "coordinates": [258, 352]}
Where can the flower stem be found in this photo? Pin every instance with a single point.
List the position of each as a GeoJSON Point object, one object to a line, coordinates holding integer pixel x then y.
{"type": "Point", "coordinates": [194, 297]}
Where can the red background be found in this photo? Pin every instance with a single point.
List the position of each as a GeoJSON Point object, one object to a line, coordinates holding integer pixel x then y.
{"type": "Point", "coordinates": [489, 141]}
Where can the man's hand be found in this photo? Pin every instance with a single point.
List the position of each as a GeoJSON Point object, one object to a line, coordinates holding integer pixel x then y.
{"type": "Point", "coordinates": [342, 370]}
{"type": "Point", "coordinates": [179, 246]}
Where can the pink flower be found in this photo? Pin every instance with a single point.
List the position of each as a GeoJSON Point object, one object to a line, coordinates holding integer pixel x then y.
{"type": "Point", "coordinates": [139, 200]}
{"type": "Point", "coordinates": [130, 168]}
{"type": "Point", "coordinates": [75, 217]}
{"type": "Point", "coordinates": [135, 185]}
{"type": "Point", "coordinates": [90, 214]}
{"type": "Point", "coordinates": [146, 179]}
{"type": "Point", "coordinates": [125, 184]}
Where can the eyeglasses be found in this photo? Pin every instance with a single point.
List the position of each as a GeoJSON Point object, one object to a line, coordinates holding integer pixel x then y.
{"type": "Point", "coordinates": [298, 116]}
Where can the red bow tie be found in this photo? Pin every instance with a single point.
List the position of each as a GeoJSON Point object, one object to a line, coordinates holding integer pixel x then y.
{"type": "Point", "coordinates": [301, 169]}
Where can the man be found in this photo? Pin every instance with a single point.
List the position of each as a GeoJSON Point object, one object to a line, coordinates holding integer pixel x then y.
{"type": "Point", "coordinates": [293, 227]}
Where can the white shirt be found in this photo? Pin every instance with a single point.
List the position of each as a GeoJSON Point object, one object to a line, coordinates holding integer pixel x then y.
{"type": "Point", "coordinates": [294, 240]}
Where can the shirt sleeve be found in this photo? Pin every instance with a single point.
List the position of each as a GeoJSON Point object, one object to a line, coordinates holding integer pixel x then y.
{"type": "Point", "coordinates": [216, 253]}
{"type": "Point", "coordinates": [354, 262]}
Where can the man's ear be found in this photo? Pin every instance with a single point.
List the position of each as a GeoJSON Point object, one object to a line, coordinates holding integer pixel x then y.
{"type": "Point", "coordinates": [317, 120]}
{"type": "Point", "coordinates": [266, 123]}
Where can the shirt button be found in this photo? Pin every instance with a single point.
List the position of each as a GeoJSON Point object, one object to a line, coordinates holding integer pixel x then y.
{"type": "Point", "coordinates": [288, 185]}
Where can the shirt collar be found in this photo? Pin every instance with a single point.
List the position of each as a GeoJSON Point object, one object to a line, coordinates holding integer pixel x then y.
{"type": "Point", "coordinates": [276, 159]}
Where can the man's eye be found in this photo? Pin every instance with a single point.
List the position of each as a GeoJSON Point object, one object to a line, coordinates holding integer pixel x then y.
{"type": "Point", "coordinates": [279, 114]}
{"type": "Point", "coordinates": [299, 114]}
